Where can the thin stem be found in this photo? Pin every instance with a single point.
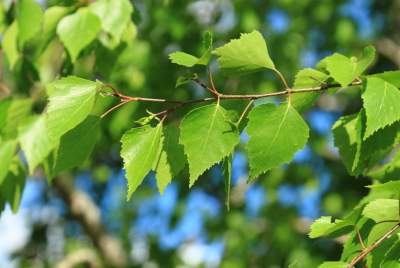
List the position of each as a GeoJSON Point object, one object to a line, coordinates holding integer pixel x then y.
{"type": "Point", "coordinates": [122, 103]}
{"type": "Point", "coordinates": [360, 238]}
{"type": "Point", "coordinates": [283, 79]}
{"type": "Point", "coordinates": [125, 99]}
{"type": "Point", "coordinates": [248, 106]}
{"type": "Point", "coordinates": [367, 250]}
{"type": "Point", "coordinates": [213, 88]}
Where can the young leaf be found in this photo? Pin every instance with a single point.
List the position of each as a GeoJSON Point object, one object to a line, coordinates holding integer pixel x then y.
{"type": "Point", "coordinates": [184, 59]}
{"type": "Point", "coordinates": [71, 100]}
{"type": "Point", "coordinates": [184, 79]}
{"type": "Point", "coordinates": [307, 78]}
{"type": "Point", "coordinates": [276, 134]}
{"type": "Point", "coordinates": [78, 30]}
{"type": "Point", "coordinates": [207, 137]}
{"type": "Point", "coordinates": [392, 77]}
{"type": "Point", "coordinates": [10, 45]}
{"type": "Point", "coordinates": [245, 55]}
{"type": "Point", "coordinates": [7, 151]}
{"type": "Point", "coordinates": [13, 185]}
{"type": "Point", "coordinates": [325, 226]}
{"type": "Point", "coordinates": [333, 264]}
{"type": "Point", "coordinates": [76, 145]}
{"type": "Point", "coordinates": [382, 210]}
{"type": "Point", "coordinates": [344, 70]}
{"type": "Point", "coordinates": [381, 103]}
{"type": "Point", "coordinates": [171, 160]}
{"type": "Point", "coordinates": [114, 15]}
{"type": "Point", "coordinates": [29, 20]}
{"type": "Point", "coordinates": [208, 46]}
{"type": "Point", "coordinates": [17, 111]}
{"type": "Point", "coordinates": [140, 148]}
{"type": "Point", "coordinates": [35, 141]}
{"type": "Point", "coordinates": [227, 171]}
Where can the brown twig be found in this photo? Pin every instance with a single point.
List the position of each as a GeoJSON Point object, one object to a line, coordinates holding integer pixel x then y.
{"type": "Point", "coordinates": [246, 109]}
{"type": "Point", "coordinates": [367, 250]}
{"type": "Point", "coordinates": [217, 96]}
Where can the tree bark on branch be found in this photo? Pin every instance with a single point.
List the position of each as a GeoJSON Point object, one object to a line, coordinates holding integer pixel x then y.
{"type": "Point", "coordinates": [86, 212]}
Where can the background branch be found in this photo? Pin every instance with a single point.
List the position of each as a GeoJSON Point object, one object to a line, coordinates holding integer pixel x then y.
{"type": "Point", "coordinates": [86, 212]}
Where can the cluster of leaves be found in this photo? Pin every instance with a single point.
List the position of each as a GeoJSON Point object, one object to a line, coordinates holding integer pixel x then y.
{"type": "Point", "coordinates": [64, 134]}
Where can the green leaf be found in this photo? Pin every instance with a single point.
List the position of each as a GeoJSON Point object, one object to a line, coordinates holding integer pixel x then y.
{"type": "Point", "coordinates": [382, 210]}
{"type": "Point", "coordinates": [276, 134]}
{"type": "Point", "coordinates": [322, 226]}
{"type": "Point", "coordinates": [227, 171]}
{"type": "Point", "coordinates": [17, 111]}
{"type": "Point", "coordinates": [78, 30]}
{"type": "Point", "coordinates": [327, 226]}
{"type": "Point", "coordinates": [29, 20]}
{"type": "Point", "coordinates": [140, 148]}
{"type": "Point", "coordinates": [392, 77]}
{"type": "Point", "coordinates": [389, 171]}
{"type": "Point", "coordinates": [4, 106]}
{"type": "Point", "coordinates": [35, 141]}
{"type": "Point", "coordinates": [114, 15]}
{"type": "Point", "coordinates": [70, 102]}
{"type": "Point", "coordinates": [208, 137]}
{"type": "Point", "coordinates": [77, 144]}
{"type": "Point", "coordinates": [10, 45]}
{"type": "Point", "coordinates": [381, 103]}
{"type": "Point", "coordinates": [333, 264]}
{"type": "Point", "coordinates": [13, 185]}
{"type": "Point", "coordinates": [171, 160]}
{"type": "Point", "coordinates": [7, 151]}
{"type": "Point", "coordinates": [344, 70]}
{"type": "Point", "coordinates": [392, 257]}
{"type": "Point", "coordinates": [208, 47]}
{"type": "Point", "coordinates": [184, 79]}
{"type": "Point", "coordinates": [51, 18]}
{"type": "Point", "coordinates": [184, 59]}
{"type": "Point", "coordinates": [307, 78]}
{"type": "Point", "coordinates": [347, 133]}
{"type": "Point", "coordinates": [245, 55]}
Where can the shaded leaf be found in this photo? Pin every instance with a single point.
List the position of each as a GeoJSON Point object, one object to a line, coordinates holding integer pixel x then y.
{"type": "Point", "coordinates": [12, 187]}
{"type": "Point", "coordinates": [171, 159]}
{"type": "Point", "coordinates": [227, 171]}
{"type": "Point", "coordinates": [307, 78]}
{"type": "Point", "coordinates": [35, 141]}
{"type": "Point", "coordinates": [77, 144]}
{"type": "Point", "coordinates": [7, 151]}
